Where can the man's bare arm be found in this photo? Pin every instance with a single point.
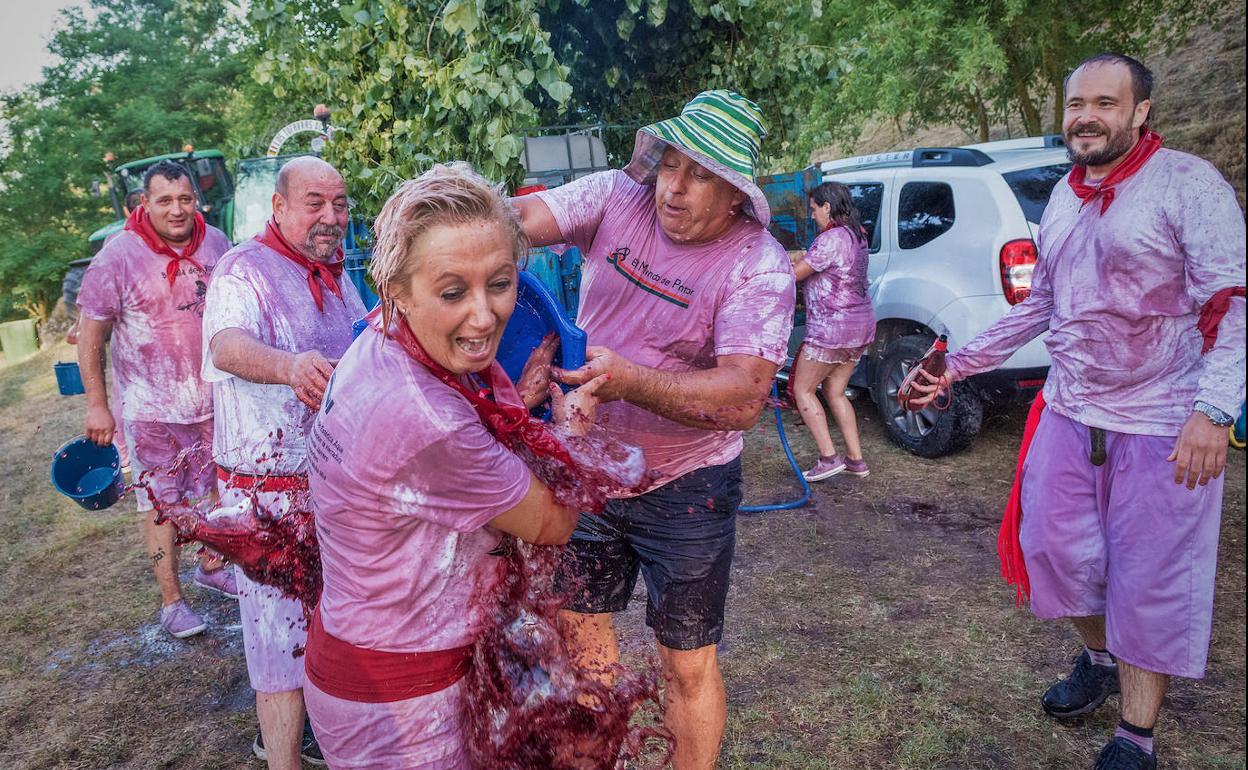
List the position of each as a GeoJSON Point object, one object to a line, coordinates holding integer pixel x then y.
{"type": "Point", "coordinates": [728, 397]}
{"type": "Point", "coordinates": [92, 335]}
{"type": "Point", "coordinates": [537, 221]}
{"type": "Point", "coordinates": [242, 355]}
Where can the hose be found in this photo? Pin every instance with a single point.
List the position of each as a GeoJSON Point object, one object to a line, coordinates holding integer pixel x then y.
{"type": "Point", "coordinates": [784, 442]}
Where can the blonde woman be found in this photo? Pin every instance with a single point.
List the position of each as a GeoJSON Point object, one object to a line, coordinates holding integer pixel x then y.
{"type": "Point", "coordinates": [413, 493]}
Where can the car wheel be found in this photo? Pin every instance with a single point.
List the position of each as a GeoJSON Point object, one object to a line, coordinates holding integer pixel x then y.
{"type": "Point", "coordinates": [70, 286]}
{"type": "Point", "coordinates": [928, 432]}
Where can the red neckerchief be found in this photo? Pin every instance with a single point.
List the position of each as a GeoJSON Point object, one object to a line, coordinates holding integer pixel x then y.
{"type": "Point", "coordinates": [1149, 143]}
{"type": "Point", "coordinates": [318, 272]}
{"type": "Point", "coordinates": [512, 425]}
{"type": "Point", "coordinates": [1211, 315]}
{"type": "Point", "coordinates": [140, 224]}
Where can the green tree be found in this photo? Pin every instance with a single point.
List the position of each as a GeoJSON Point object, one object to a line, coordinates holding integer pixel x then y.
{"type": "Point", "coordinates": [974, 64]}
{"type": "Point", "coordinates": [136, 78]}
{"type": "Point", "coordinates": [413, 83]}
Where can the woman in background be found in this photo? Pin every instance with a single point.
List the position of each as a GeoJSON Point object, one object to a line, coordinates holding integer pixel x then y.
{"type": "Point", "coordinates": [839, 327]}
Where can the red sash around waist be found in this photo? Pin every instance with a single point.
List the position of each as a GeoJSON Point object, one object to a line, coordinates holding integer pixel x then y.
{"type": "Point", "coordinates": [372, 676]}
{"type": "Point", "coordinates": [265, 483]}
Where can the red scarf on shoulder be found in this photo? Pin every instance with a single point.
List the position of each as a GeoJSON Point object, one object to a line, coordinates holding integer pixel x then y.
{"type": "Point", "coordinates": [319, 273]}
{"type": "Point", "coordinates": [1149, 143]}
{"type": "Point", "coordinates": [140, 223]}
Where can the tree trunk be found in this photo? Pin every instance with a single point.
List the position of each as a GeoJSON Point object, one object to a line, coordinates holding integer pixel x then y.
{"type": "Point", "coordinates": [1059, 104]}
{"type": "Point", "coordinates": [1027, 107]}
{"type": "Point", "coordinates": [981, 116]}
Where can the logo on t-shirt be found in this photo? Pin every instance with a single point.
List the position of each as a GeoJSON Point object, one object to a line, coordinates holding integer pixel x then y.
{"type": "Point", "coordinates": [196, 305]}
{"type": "Point", "coordinates": [638, 272]}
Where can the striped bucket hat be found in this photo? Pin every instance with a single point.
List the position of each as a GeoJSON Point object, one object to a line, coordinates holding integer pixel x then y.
{"type": "Point", "coordinates": [721, 130]}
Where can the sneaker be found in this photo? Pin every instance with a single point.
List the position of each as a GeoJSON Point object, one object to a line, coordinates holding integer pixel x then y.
{"type": "Point", "coordinates": [219, 580]}
{"type": "Point", "coordinates": [1122, 754]}
{"type": "Point", "coordinates": [857, 468]}
{"type": "Point", "coordinates": [827, 467]}
{"type": "Point", "coordinates": [1083, 691]}
{"type": "Point", "coordinates": [180, 621]}
{"type": "Point", "coordinates": [310, 751]}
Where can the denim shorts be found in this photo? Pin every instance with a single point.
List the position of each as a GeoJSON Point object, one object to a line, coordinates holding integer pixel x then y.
{"type": "Point", "coordinates": [680, 537]}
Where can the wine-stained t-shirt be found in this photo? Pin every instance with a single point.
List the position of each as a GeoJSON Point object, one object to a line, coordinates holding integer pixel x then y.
{"type": "Point", "coordinates": [674, 307]}
{"type": "Point", "coordinates": [157, 328]}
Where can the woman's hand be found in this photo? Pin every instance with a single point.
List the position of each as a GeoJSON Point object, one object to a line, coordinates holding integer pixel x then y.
{"type": "Point", "coordinates": [574, 411]}
{"type": "Point", "coordinates": [534, 383]}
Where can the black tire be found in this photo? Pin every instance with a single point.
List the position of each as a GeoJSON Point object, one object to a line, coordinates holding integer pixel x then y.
{"type": "Point", "coordinates": [930, 432]}
{"type": "Point", "coordinates": [70, 286]}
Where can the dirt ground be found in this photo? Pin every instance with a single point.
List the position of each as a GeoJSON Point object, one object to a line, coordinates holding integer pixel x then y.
{"type": "Point", "coordinates": [867, 630]}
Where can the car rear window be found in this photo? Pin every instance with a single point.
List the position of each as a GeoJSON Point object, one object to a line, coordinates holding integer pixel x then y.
{"type": "Point", "coordinates": [1033, 186]}
{"type": "Point", "coordinates": [867, 199]}
{"type": "Point", "coordinates": [924, 213]}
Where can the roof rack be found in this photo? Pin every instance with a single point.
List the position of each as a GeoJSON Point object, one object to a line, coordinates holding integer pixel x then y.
{"type": "Point", "coordinates": [1046, 142]}
{"type": "Point", "coordinates": [922, 157]}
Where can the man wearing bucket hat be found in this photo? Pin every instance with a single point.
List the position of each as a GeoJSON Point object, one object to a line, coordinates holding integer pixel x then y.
{"type": "Point", "coordinates": [688, 303]}
{"type": "Point", "coordinates": [146, 287]}
{"type": "Point", "coordinates": [279, 317]}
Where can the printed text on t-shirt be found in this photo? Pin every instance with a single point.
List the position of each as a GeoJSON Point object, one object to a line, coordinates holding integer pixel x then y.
{"type": "Point", "coordinates": [638, 272]}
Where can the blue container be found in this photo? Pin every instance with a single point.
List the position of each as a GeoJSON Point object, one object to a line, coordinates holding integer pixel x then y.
{"type": "Point", "coordinates": [68, 378]}
{"type": "Point", "coordinates": [1241, 425]}
{"type": "Point", "coordinates": [538, 313]}
{"type": "Point", "coordinates": [87, 473]}
{"type": "Point", "coordinates": [355, 264]}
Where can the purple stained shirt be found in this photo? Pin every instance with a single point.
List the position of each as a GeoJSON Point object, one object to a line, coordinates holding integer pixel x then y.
{"type": "Point", "coordinates": [259, 428]}
{"type": "Point", "coordinates": [404, 479]}
{"type": "Point", "coordinates": [669, 306]}
{"type": "Point", "coordinates": [838, 310]}
{"type": "Point", "coordinates": [156, 328]}
{"type": "Point", "coordinates": [1120, 295]}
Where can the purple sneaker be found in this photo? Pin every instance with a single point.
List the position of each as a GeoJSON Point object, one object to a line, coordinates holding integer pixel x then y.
{"type": "Point", "coordinates": [857, 468]}
{"type": "Point", "coordinates": [180, 620]}
{"type": "Point", "coordinates": [219, 580]}
{"type": "Point", "coordinates": [827, 467]}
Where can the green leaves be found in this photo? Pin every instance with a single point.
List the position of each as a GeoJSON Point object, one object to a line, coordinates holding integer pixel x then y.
{"type": "Point", "coordinates": [417, 83]}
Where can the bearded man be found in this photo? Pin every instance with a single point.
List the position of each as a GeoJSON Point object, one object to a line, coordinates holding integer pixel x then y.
{"type": "Point", "coordinates": [146, 288]}
{"type": "Point", "coordinates": [1140, 286]}
{"type": "Point", "coordinates": [278, 319]}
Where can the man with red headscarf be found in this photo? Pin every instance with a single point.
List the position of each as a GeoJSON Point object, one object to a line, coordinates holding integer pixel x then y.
{"type": "Point", "coordinates": [278, 319]}
{"type": "Point", "coordinates": [147, 287]}
{"type": "Point", "coordinates": [1140, 286]}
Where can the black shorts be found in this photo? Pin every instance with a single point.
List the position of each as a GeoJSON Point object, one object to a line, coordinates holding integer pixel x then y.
{"type": "Point", "coordinates": [680, 536]}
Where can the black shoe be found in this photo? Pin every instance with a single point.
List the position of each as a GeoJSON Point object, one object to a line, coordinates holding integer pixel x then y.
{"type": "Point", "coordinates": [1122, 754]}
{"type": "Point", "coordinates": [1083, 691]}
{"type": "Point", "coordinates": [310, 751]}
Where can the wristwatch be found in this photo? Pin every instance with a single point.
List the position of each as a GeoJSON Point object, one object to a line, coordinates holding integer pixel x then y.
{"type": "Point", "coordinates": [1215, 415]}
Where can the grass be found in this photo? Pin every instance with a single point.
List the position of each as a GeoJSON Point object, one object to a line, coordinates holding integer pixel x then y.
{"type": "Point", "coordinates": [868, 631]}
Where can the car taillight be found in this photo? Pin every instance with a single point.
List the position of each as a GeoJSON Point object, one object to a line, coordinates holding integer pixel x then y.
{"type": "Point", "coordinates": [1018, 260]}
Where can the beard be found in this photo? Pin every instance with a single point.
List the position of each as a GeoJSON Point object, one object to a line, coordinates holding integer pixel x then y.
{"type": "Point", "coordinates": [323, 253]}
{"type": "Point", "coordinates": [1117, 144]}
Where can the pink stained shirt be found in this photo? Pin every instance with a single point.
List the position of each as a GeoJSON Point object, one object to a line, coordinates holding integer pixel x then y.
{"type": "Point", "coordinates": [259, 428]}
{"type": "Point", "coordinates": [1120, 295]}
{"type": "Point", "coordinates": [156, 328]}
{"type": "Point", "coordinates": [838, 309]}
{"type": "Point", "coordinates": [404, 479]}
{"type": "Point", "coordinates": [672, 307]}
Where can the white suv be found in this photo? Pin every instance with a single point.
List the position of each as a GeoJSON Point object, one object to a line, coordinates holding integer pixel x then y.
{"type": "Point", "coordinates": [952, 249]}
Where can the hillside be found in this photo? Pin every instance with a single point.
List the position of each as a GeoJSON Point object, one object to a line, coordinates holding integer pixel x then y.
{"type": "Point", "coordinates": [1199, 104]}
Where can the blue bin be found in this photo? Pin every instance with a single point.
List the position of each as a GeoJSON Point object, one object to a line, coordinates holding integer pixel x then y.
{"type": "Point", "coordinates": [538, 313]}
{"type": "Point", "coordinates": [68, 378]}
{"type": "Point", "coordinates": [87, 473]}
{"type": "Point", "coordinates": [355, 264]}
{"type": "Point", "coordinates": [1240, 430]}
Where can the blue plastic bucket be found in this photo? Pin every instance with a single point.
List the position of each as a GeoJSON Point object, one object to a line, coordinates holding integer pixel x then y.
{"type": "Point", "coordinates": [538, 313]}
{"type": "Point", "coordinates": [87, 473]}
{"type": "Point", "coordinates": [68, 378]}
